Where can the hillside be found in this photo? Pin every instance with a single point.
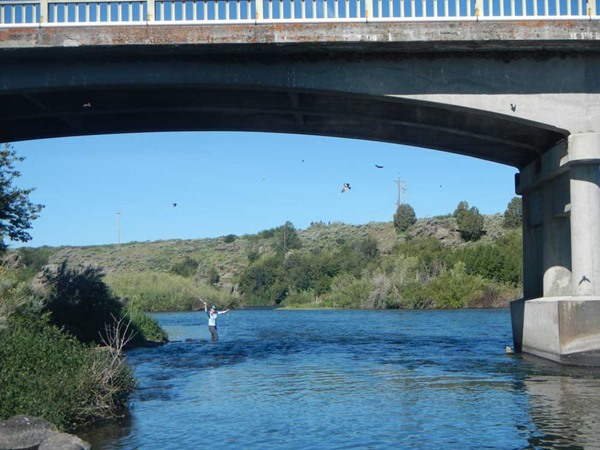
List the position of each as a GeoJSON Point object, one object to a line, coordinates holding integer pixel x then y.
{"type": "Point", "coordinates": [230, 258]}
{"type": "Point", "coordinates": [334, 264]}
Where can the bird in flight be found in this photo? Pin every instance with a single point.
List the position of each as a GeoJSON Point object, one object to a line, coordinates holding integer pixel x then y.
{"type": "Point", "coordinates": [378, 166]}
{"type": "Point", "coordinates": [86, 105]}
{"type": "Point", "coordinates": [174, 205]}
{"type": "Point", "coordinates": [346, 187]}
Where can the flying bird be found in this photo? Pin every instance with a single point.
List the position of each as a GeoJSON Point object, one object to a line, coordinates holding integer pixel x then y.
{"type": "Point", "coordinates": [346, 187]}
{"type": "Point", "coordinates": [378, 166]}
{"type": "Point", "coordinates": [513, 107]}
{"type": "Point", "coordinates": [86, 105]}
{"type": "Point", "coordinates": [174, 205]}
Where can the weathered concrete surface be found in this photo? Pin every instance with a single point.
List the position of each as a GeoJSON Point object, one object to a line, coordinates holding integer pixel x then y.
{"type": "Point", "coordinates": [565, 330]}
{"type": "Point", "coordinates": [365, 81]}
{"type": "Point", "coordinates": [442, 36]}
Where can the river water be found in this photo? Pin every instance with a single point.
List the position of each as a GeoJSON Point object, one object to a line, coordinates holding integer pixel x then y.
{"type": "Point", "coordinates": [351, 379]}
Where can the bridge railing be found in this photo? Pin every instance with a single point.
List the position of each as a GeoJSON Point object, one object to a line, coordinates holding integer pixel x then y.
{"type": "Point", "coordinates": [14, 13]}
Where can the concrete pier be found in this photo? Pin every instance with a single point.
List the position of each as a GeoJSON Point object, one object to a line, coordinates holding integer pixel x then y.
{"type": "Point", "coordinates": [559, 318]}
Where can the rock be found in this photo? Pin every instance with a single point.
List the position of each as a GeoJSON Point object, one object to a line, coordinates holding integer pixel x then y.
{"type": "Point", "coordinates": [24, 432]}
{"type": "Point", "coordinates": [64, 441]}
{"type": "Point", "coordinates": [12, 261]}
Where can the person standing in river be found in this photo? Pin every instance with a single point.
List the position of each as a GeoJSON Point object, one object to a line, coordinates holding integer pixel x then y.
{"type": "Point", "coordinates": [213, 315]}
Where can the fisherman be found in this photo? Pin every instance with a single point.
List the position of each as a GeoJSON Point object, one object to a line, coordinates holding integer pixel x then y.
{"type": "Point", "coordinates": [213, 315]}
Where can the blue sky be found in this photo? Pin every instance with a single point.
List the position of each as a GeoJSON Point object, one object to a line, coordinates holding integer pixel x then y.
{"type": "Point", "coordinates": [237, 183]}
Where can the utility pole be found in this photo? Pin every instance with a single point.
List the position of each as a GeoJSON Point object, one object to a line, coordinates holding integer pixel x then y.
{"type": "Point", "coordinates": [118, 228]}
{"type": "Point", "coordinates": [401, 191]}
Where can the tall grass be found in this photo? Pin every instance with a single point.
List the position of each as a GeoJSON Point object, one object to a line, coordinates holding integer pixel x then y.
{"type": "Point", "coordinates": [153, 292]}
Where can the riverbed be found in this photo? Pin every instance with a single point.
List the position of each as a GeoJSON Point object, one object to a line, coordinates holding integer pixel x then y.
{"type": "Point", "coordinates": [351, 379]}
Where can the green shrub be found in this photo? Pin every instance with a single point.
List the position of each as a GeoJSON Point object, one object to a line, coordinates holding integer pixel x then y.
{"type": "Point", "coordinates": [49, 374]}
{"type": "Point", "coordinates": [470, 222]}
{"type": "Point", "coordinates": [80, 301]}
{"type": "Point", "coordinates": [414, 295]}
{"type": "Point", "coordinates": [213, 277]}
{"type": "Point", "coordinates": [229, 238]}
{"type": "Point", "coordinates": [186, 268]}
{"type": "Point", "coordinates": [299, 299]}
{"type": "Point", "coordinates": [347, 291]}
{"type": "Point", "coordinates": [455, 289]}
{"type": "Point", "coordinates": [404, 218]}
{"type": "Point", "coordinates": [146, 327]}
{"type": "Point", "coordinates": [513, 216]}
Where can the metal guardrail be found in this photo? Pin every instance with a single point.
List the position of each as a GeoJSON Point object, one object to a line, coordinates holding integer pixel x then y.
{"type": "Point", "coordinates": [27, 13]}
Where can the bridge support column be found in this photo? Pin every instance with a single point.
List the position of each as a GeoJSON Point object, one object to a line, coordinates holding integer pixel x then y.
{"type": "Point", "coordinates": [559, 316]}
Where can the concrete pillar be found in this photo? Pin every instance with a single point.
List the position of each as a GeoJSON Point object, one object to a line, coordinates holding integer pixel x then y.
{"type": "Point", "coordinates": [584, 172]}
{"type": "Point", "coordinates": [556, 237]}
{"type": "Point", "coordinates": [563, 322]}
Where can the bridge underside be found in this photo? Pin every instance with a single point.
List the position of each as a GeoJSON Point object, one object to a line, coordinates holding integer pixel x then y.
{"type": "Point", "coordinates": [69, 82]}
{"type": "Point", "coordinates": [89, 111]}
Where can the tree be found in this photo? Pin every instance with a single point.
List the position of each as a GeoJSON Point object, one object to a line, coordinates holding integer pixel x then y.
{"type": "Point", "coordinates": [286, 238]}
{"type": "Point", "coordinates": [16, 211]}
{"type": "Point", "coordinates": [404, 217]}
{"type": "Point", "coordinates": [513, 216]}
{"type": "Point", "coordinates": [470, 221]}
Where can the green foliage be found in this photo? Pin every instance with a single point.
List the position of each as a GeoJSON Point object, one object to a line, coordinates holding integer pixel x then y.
{"type": "Point", "coordinates": [260, 280]}
{"type": "Point", "coordinates": [213, 277]}
{"type": "Point", "coordinates": [80, 301]}
{"type": "Point", "coordinates": [229, 238]}
{"type": "Point", "coordinates": [15, 295]}
{"type": "Point", "coordinates": [185, 268]}
{"type": "Point", "coordinates": [49, 374]}
{"type": "Point", "coordinates": [152, 292]}
{"type": "Point", "coordinates": [470, 222]}
{"type": "Point", "coordinates": [513, 216]}
{"type": "Point", "coordinates": [404, 218]}
{"type": "Point", "coordinates": [146, 327]}
{"type": "Point", "coordinates": [455, 289]}
{"type": "Point", "coordinates": [347, 291]}
{"type": "Point", "coordinates": [253, 256]}
{"type": "Point", "coordinates": [285, 238]}
{"type": "Point", "coordinates": [16, 211]}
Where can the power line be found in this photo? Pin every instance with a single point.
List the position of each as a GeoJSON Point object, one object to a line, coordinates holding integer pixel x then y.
{"type": "Point", "coordinates": [118, 228]}
{"type": "Point", "coordinates": [401, 191]}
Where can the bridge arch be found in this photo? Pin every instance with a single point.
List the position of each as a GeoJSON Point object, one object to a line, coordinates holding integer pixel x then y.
{"type": "Point", "coordinates": [528, 97]}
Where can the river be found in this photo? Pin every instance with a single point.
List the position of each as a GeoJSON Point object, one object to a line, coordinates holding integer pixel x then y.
{"type": "Point", "coordinates": [351, 379]}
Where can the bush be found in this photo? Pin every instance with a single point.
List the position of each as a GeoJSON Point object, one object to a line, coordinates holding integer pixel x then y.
{"type": "Point", "coordinates": [213, 277]}
{"type": "Point", "coordinates": [49, 374]}
{"type": "Point", "coordinates": [146, 327]}
{"type": "Point", "coordinates": [186, 268]}
{"type": "Point", "coordinates": [80, 301]}
{"type": "Point", "coordinates": [455, 289]}
{"type": "Point", "coordinates": [404, 218]}
{"type": "Point", "coordinates": [470, 222]}
{"type": "Point", "coordinates": [229, 238]}
{"type": "Point", "coordinates": [513, 216]}
{"type": "Point", "coordinates": [347, 291]}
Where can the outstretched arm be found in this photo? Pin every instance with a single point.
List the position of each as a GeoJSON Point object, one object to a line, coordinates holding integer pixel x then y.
{"type": "Point", "coordinates": [223, 312]}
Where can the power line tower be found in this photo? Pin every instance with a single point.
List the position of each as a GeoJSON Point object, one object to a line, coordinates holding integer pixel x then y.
{"type": "Point", "coordinates": [401, 191]}
{"type": "Point", "coordinates": [118, 228]}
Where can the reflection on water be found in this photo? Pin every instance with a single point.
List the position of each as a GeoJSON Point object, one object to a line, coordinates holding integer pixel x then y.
{"type": "Point", "coordinates": [352, 379]}
{"type": "Point", "coordinates": [566, 411]}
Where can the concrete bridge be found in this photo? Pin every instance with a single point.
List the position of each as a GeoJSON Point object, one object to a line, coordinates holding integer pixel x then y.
{"type": "Point", "coordinates": [514, 82]}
